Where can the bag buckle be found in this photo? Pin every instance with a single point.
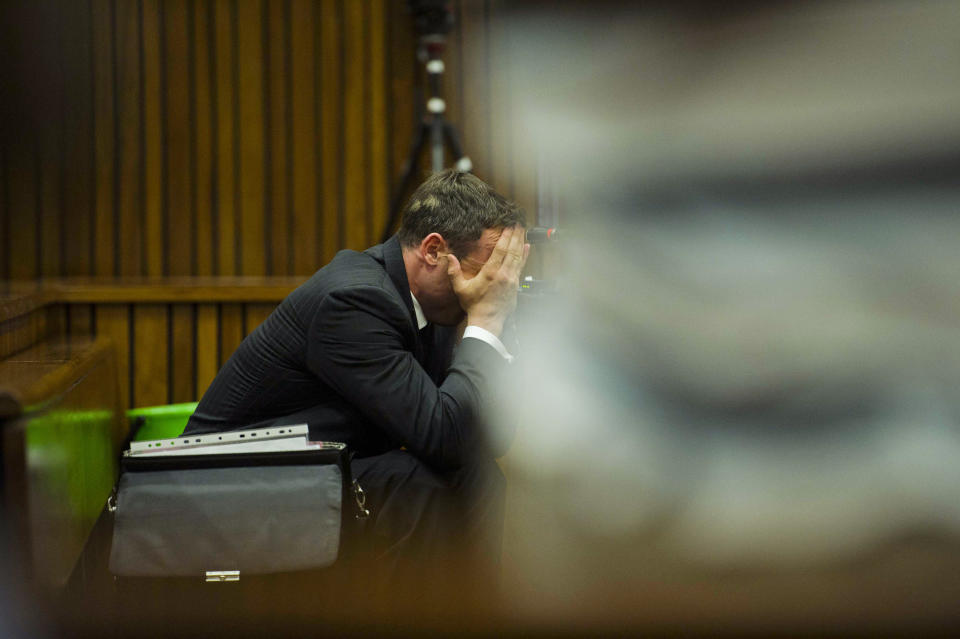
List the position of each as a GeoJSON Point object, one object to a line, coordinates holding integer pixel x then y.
{"type": "Point", "coordinates": [361, 499]}
{"type": "Point", "coordinates": [218, 576]}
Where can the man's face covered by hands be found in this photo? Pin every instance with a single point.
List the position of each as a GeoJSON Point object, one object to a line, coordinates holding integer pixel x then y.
{"type": "Point", "coordinates": [488, 295]}
{"type": "Point", "coordinates": [482, 285]}
{"type": "Point", "coordinates": [439, 302]}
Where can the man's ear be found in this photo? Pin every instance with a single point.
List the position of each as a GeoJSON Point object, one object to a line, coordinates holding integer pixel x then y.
{"type": "Point", "coordinates": [432, 248]}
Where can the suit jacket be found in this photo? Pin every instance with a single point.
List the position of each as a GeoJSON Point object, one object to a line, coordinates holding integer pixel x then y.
{"type": "Point", "coordinates": [343, 354]}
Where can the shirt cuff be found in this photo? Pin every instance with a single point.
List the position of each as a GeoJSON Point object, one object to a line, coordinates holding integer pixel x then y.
{"type": "Point", "coordinates": [484, 335]}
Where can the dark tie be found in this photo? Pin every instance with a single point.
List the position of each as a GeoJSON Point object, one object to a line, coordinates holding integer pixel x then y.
{"type": "Point", "coordinates": [427, 339]}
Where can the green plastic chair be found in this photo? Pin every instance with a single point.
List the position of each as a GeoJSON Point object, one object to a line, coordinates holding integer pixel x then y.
{"type": "Point", "coordinates": [160, 422]}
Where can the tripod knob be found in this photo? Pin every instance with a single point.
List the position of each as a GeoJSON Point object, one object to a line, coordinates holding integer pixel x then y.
{"type": "Point", "coordinates": [436, 105]}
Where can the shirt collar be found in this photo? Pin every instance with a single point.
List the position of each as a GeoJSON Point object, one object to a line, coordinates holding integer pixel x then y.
{"type": "Point", "coordinates": [421, 319]}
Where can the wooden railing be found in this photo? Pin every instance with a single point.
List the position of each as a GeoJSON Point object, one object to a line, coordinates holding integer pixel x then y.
{"type": "Point", "coordinates": [171, 335]}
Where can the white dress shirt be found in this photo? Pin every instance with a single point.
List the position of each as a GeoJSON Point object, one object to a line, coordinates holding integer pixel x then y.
{"type": "Point", "coordinates": [471, 332]}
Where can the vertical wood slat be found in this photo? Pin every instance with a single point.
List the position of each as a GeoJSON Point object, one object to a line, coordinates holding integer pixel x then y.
{"type": "Point", "coordinates": [52, 223]}
{"type": "Point", "coordinates": [4, 225]}
{"type": "Point", "coordinates": [113, 321]}
{"type": "Point", "coordinates": [56, 321]}
{"type": "Point", "coordinates": [17, 334]}
{"type": "Point", "coordinates": [80, 319]}
{"type": "Point", "coordinates": [354, 125]}
{"type": "Point", "coordinates": [255, 315]}
{"type": "Point", "coordinates": [332, 132]}
{"type": "Point", "coordinates": [501, 163]}
{"type": "Point", "coordinates": [77, 141]}
{"type": "Point", "coordinates": [182, 349]}
{"type": "Point", "coordinates": [178, 230]}
{"type": "Point", "coordinates": [129, 184]}
{"type": "Point", "coordinates": [21, 187]}
{"type": "Point", "coordinates": [207, 344]}
{"type": "Point", "coordinates": [202, 140]}
{"type": "Point", "coordinates": [475, 79]}
{"type": "Point", "coordinates": [231, 330]}
{"type": "Point", "coordinates": [103, 127]}
{"type": "Point", "coordinates": [224, 131]}
{"type": "Point", "coordinates": [304, 145]}
{"type": "Point", "coordinates": [150, 360]}
{"type": "Point", "coordinates": [403, 125]}
{"type": "Point", "coordinates": [278, 139]}
{"type": "Point", "coordinates": [250, 48]}
{"type": "Point", "coordinates": [378, 190]}
{"type": "Point", "coordinates": [48, 51]}
{"type": "Point", "coordinates": [154, 246]}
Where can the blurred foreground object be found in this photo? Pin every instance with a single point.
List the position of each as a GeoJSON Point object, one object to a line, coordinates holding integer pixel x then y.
{"type": "Point", "coordinates": [746, 413]}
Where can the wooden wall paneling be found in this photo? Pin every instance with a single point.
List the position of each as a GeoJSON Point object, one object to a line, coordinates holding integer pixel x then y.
{"type": "Point", "coordinates": [129, 184]}
{"type": "Point", "coordinates": [56, 321]}
{"type": "Point", "coordinates": [4, 224]}
{"type": "Point", "coordinates": [226, 133]}
{"type": "Point", "coordinates": [279, 179]}
{"type": "Point", "coordinates": [49, 52]}
{"type": "Point", "coordinates": [355, 155]}
{"type": "Point", "coordinates": [501, 162]}
{"type": "Point", "coordinates": [402, 75]}
{"type": "Point", "coordinates": [378, 200]}
{"type": "Point", "coordinates": [7, 343]}
{"type": "Point", "coordinates": [150, 354]}
{"type": "Point", "coordinates": [231, 330]}
{"type": "Point", "coordinates": [183, 347]}
{"type": "Point", "coordinates": [255, 315]}
{"type": "Point", "coordinates": [14, 336]}
{"type": "Point", "coordinates": [155, 245]}
{"type": "Point", "coordinates": [187, 130]}
{"type": "Point", "coordinates": [331, 132]}
{"type": "Point", "coordinates": [207, 346]}
{"type": "Point", "coordinates": [253, 230]}
{"type": "Point", "coordinates": [80, 319]}
{"type": "Point", "coordinates": [25, 333]}
{"type": "Point", "coordinates": [77, 134]}
{"type": "Point", "coordinates": [52, 221]}
{"type": "Point", "coordinates": [22, 189]}
{"type": "Point", "coordinates": [303, 111]}
{"type": "Point", "coordinates": [179, 232]}
{"type": "Point", "coordinates": [475, 81]}
{"type": "Point", "coordinates": [46, 49]}
{"type": "Point", "coordinates": [202, 149]}
{"type": "Point", "coordinates": [104, 123]}
{"type": "Point", "coordinates": [113, 321]}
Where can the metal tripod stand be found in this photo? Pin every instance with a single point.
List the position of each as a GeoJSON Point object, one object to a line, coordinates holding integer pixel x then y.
{"type": "Point", "coordinates": [432, 126]}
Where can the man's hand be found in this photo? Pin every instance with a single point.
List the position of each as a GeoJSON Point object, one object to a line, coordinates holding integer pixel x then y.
{"type": "Point", "coordinates": [491, 296]}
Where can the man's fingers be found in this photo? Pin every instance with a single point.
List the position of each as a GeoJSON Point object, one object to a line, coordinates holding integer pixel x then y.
{"type": "Point", "coordinates": [500, 251]}
{"type": "Point", "coordinates": [453, 270]}
{"type": "Point", "coordinates": [526, 254]}
{"type": "Point", "coordinates": [513, 261]}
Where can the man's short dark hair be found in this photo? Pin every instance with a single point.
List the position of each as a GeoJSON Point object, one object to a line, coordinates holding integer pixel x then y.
{"type": "Point", "coordinates": [458, 206]}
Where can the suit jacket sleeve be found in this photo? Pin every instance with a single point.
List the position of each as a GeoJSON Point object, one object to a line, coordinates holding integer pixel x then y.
{"type": "Point", "coordinates": [360, 344]}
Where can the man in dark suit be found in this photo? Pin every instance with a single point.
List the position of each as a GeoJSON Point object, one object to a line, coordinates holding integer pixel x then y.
{"type": "Point", "coordinates": [368, 352]}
